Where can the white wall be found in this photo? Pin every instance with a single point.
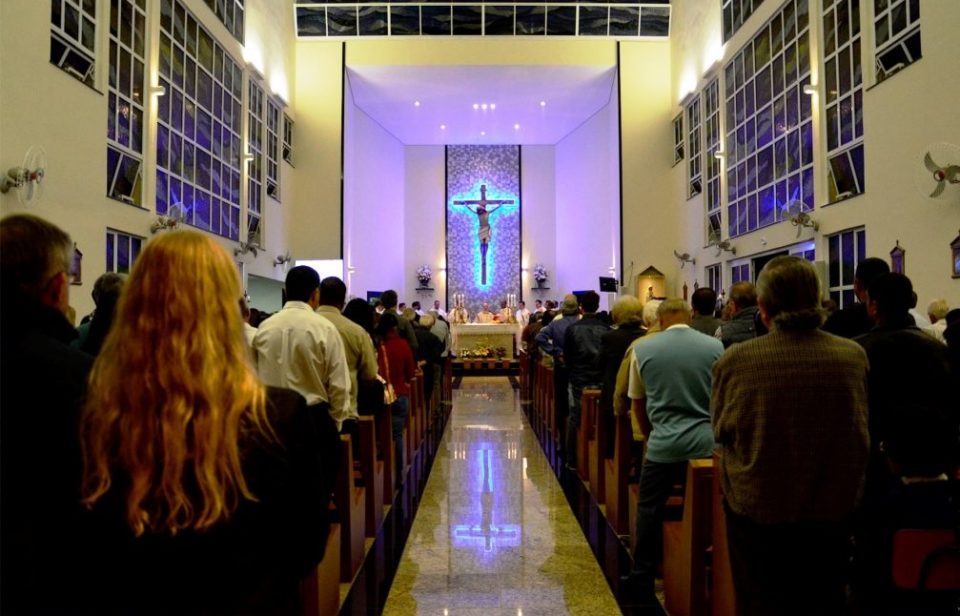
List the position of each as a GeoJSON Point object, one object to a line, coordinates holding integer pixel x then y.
{"type": "Point", "coordinates": [374, 204]}
{"type": "Point", "coordinates": [539, 218]}
{"type": "Point", "coordinates": [588, 203]}
{"type": "Point", "coordinates": [424, 228]}
{"type": "Point", "coordinates": [265, 293]}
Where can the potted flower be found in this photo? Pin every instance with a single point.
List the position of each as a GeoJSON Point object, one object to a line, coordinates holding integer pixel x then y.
{"type": "Point", "coordinates": [539, 274]}
{"type": "Point", "coordinates": [424, 275]}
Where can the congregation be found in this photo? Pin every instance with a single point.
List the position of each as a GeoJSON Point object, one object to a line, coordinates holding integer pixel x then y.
{"type": "Point", "coordinates": [176, 449]}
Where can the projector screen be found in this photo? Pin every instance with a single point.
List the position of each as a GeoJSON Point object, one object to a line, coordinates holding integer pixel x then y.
{"type": "Point", "coordinates": [325, 267]}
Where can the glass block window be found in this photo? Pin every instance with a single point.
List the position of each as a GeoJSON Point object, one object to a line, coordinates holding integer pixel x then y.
{"type": "Point", "coordinates": [678, 139]}
{"type": "Point", "coordinates": [740, 273]}
{"type": "Point", "coordinates": [896, 27]}
{"type": "Point", "coordinates": [287, 139]}
{"type": "Point", "coordinates": [695, 181]}
{"type": "Point", "coordinates": [273, 149]}
{"type": "Point", "coordinates": [843, 90]}
{"type": "Point", "coordinates": [846, 249]}
{"type": "Point", "coordinates": [125, 101]}
{"type": "Point", "coordinates": [255, 103]}
{"type": "Point", "coordinates": [735, 13]}
{"type": "Point", "coordinates": [711, 164]}
{"type": "Point", "coordinates": [199, 125]}
{"type": "Point", "coordinates": [769, 127]}
{"type": "Point", "coordinates": [713, 277]}
{"type": "Point", "coordinates": [230, 14]}
{"type": "Point", "coordinates": [122, 251]}
{"type": "Point", "coordinates": [73, 37]}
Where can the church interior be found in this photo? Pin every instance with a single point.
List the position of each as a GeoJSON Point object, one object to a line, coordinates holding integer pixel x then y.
{"type": "Point", "coordinates": [485, 154]}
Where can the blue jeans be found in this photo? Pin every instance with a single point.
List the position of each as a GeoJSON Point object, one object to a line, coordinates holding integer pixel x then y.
{"type": "Point", "coordinates": [399, 415]}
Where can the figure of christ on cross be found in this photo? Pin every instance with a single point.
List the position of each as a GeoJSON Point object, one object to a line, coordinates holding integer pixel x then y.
{"type": "Point", "coordinates": [482, 208]}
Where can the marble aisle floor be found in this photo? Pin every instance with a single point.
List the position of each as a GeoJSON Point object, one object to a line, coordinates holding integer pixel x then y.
{"type": "Point", "coordinates": [494, 533]}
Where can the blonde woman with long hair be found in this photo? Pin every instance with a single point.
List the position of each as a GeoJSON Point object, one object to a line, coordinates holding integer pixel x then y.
{"type": "Point", "coordinates": [208, 491]}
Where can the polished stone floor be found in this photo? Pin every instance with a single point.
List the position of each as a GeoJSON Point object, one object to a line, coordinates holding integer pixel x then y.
{"type": "Point", "coordinates": [494, 533]}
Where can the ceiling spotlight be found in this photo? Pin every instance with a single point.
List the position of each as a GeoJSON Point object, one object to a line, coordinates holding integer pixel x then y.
{"type": "Point", "coordinates": [443, 127]}
{"type": "Point", "coordinates": [476, 106]}
{"type": "Point", "coordinates": [516, 127]}
{"type": "Point", "coordinates": [483, 133]}
{"type": "Point", "coordinates": [543, 103]}
{"type": "Point", "coordinates": [483, 106]}
{"type": "Point", "coordinates": [493, 105]}
{"type": "Point", "coordinates": [416, 103]}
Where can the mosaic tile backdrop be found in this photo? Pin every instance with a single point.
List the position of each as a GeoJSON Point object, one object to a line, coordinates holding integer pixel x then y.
{"type": "Point", "coordinates": [469, 167]}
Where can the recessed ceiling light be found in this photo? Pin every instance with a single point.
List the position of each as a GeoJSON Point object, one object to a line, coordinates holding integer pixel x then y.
{"type": "Point", "coordinates": [476, 106]}
{"type": "Point", "coordinates": [483, 133]}
{"type": "Point", "coordinates": [483, 106]}
{"type": "Point", "coordinates": [516, 127]}
{"type": "Point", "coordinates": [443, 127]}
{"type": "Point", "coordinates": [416, 103]}
{"type": "Point", "coordinates": [543, 103]}
{"type": "Point", "coordinates": [493, 105]}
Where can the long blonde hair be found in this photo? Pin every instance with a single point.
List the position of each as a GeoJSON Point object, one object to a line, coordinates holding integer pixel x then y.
{"type": "Point", "coordinates": [173, 390]}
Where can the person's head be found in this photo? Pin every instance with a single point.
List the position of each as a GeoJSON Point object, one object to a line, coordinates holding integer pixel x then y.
{"type": "Point", "coordinates": [867, 271]}
{"type": "Point", "coordinates": [303, 285]}
{"type": "Point", "coordinates": [551, 305]}
{"type": "Point", "coordinates": [589, 302]}
{"type": "Point", "coordinates": [704, 301]}
{"type": "Point", "coordinates": [888, 298]}
{"type": "Point", "coordinates": [627, 309]}
{"type": "Point", "coordinates": [36, 262]}
{"type": "Point", "coordinates": [788, 293]}
{"type": "Point", "coordinates": [389, 299]}
{"type": "Point", "coordinates": [570, 307]}
{"type": "Point", "coordinates": [548, 317]}
{"type": "Point", "coordinates": [650, 317]}
{"type": "Point", "coordinates": [923, 442]}
{"type": "Point", "coordinates": [503, 304]}
{"type": "Point", "coordinates": [436, 304]}
{"type": "Point", "coordinates": [408, 314]}
{"type": "Point", "coordinates": [521, 304]}
{"type": "Point", "coordinates": [673, 311]}
{"type": "Point", "coordinates": [333, 292]}
{"type": "Point", "coordinates": [415, 305]}
{"type": "Point", "coordinates": [360, 312]}
{"type": "Point", "coordinates": [387, 324]}
{"type": "Point", "coordinates": [427, 321]}
{"type": "Point", "coordinates": [486, 307]}
{"type": "Point", "coordinates": [107, 287]}
{"type": "Point", "coordinates": [538, 304]}
{"type": "Point", "coordinates": [742, 295]}
{"type": "Point", "coordinates": [171, 441]}
{"type": "Point", "coordinates": [937, 310]}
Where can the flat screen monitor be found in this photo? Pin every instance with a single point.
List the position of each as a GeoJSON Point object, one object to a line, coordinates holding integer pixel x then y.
{"type": "Point", "coordinates": [608, 284]}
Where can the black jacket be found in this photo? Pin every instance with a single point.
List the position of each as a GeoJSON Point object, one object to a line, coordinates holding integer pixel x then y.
{"type": "Point", "coordinates": [613, 346]}
{"type": "Point", "coordinates": [581, 351]}
{"type": "Point", "coordinates": [743, 326]}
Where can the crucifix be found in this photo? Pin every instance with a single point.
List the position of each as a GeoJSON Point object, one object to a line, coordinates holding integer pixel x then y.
{"type": "Point", "coordinates": [481, 207]}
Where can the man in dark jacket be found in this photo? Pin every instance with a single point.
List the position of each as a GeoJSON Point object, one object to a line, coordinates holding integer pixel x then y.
{"type": "Point", "coordinates": [581, 352]}
{"type": "Point", "coordinates": [852, 321]}
{"type": "Point", "coordinates": [743, 306]}
{"type": "Point", "coordinates": [704, 302]}
{"type": "Point", "coordinates": [628, 322]}
{"type": "Point", "coordinates": [42, 386]}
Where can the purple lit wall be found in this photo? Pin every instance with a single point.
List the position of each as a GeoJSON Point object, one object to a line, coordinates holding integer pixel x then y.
{"type": "Point", "coordinates": [498, 169]}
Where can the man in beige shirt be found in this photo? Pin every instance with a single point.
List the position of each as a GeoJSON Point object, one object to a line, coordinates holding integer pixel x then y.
{"type": "Point", "coordinates": [357, 344]}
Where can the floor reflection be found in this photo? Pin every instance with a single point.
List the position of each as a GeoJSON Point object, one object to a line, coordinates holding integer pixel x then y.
{"type": "Point", "coordinates": [494, 533]}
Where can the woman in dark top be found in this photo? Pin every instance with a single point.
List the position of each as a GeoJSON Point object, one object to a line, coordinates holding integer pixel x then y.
{"type": "Point", "coordinates": [208, 492]}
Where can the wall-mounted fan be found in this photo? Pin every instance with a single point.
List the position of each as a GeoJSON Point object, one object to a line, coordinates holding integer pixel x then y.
{"type": "Point", "coordinates": [27, 179]}
{"type": "Point", "coordinates": [940, 170]}
{"type": "Point", "coordinates": [793, 211]}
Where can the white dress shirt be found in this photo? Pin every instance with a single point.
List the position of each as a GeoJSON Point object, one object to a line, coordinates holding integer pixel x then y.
{"type": "Point", "coordinates": [523, 317]}
{"type": "Point", "coordinates": [300, 350]}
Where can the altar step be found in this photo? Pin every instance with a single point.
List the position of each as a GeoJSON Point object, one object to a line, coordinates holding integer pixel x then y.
{"type": "Point", "coordinates": [490, 367]}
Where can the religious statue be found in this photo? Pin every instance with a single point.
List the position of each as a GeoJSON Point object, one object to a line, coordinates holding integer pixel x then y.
{"type": "Point", "coordinates": [484, 316]}
{"type": "Point", "coordinates": [482, 208]}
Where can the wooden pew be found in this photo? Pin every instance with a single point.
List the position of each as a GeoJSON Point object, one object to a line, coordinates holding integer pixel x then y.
{"type": "Point", "coordinates": [372, 469]}
{"type": "Point", "coordinates": [320, 590]}
{"type": "Point", "coordinates": [685, 545]}
{"type": "Point", "coordinates": [596, 444]}
{"type": "Point", "coordinates": [351, 512]}
{"type": "Point", "coordinates": [617, 474]}
{"type": "Point", "coordinates": [723, 599]}
{"type": "Point", "coordinates": [387, 452]}
{"type": "Point", "coordinates": [589, 405]}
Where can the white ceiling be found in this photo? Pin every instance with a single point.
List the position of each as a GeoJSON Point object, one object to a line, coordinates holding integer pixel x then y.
{"type": "Point", "coordinates": [447, 94]}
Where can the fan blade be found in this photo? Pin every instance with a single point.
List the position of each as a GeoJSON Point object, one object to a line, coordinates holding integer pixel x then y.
{"type": "Point", "coordinates": [941, 186]}
{"type": "Point", "coordinates": [952, 173]}
{"type": "Point", "coordinates": [931, 166]}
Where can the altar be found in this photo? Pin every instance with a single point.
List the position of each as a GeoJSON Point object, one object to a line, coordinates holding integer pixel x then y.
{"type": "Point", "coordinates": [468, 336]}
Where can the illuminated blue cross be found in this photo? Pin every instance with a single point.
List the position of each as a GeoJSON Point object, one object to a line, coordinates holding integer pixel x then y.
{"type": "Point", "coordinates": [483, 211]}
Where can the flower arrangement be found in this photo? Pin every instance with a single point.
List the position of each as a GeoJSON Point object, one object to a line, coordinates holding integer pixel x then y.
{"type": "Point", "coordinates": [483, 352]}
{"type": "Point", "coordinates": [539, 273]}
{"type": "Point", "coordinates": [424, 275]}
